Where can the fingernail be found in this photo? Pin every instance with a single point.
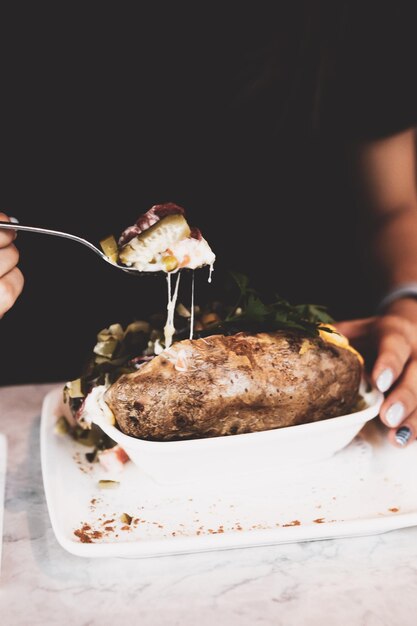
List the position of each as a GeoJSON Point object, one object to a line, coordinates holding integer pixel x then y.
{"type": "Point", "coordinates": [13, 220]}
{"type": "Point", "coordinates": [403, 435]}
{"type": "Point", "coordinates": [384, 380]}
{"type": "Point", "coordinates": [395, 414]}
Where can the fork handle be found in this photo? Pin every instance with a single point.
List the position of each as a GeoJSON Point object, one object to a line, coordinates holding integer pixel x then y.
{"type": "Point", "coordinates": [48, 231]}
{"type": "Point", "coordinates": [33, 229]}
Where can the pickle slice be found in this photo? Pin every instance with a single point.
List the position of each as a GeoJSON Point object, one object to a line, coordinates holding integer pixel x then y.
{"type": "Point", "coordinates": [142, 249]}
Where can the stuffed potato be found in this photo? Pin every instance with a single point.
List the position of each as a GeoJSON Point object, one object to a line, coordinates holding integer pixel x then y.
{"type": "Point", "coordinates": [227, 385]}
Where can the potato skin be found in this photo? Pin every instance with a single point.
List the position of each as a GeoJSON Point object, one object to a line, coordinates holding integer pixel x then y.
{"type": "Point", "coordinates": [227, 385]}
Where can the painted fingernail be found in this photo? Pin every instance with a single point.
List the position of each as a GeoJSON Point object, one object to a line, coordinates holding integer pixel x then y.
{"type": "Point", "coordinates": [395, 414]}
{"type": "Point", "coordinates": [403, 435]}
{"type": "Point", "coordinates": [385, 380]}
{"type": "Point", "coordinates": [13, 220]}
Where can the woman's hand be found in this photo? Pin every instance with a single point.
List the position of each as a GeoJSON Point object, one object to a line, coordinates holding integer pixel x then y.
{"type": "Point", "coordinates": [11, 278]}
{"type": "Point", "coordinates": [389, 344]}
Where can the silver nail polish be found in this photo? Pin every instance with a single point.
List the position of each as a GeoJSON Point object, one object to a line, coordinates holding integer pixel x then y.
{"type": "Point", "coordinates": [395, 414]}
{"type": "Point", "coordinates": [403, 435]}
{"type": "Point", "coordinates": [385, 380]}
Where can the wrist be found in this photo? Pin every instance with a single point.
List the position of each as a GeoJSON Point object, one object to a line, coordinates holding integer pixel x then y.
{"type": "Point", "coordinates": [403, 291]}
{"type": "Point", "coordinates": [405, 307]}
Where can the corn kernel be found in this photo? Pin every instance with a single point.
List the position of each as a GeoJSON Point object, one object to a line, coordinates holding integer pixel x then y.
{"type": "Point", "coordinates": [170, 263]}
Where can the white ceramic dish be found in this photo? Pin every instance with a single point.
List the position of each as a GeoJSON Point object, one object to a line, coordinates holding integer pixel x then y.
{"type": "Point", "coordinates": [197, 459]}
{"type": "Point", "coordinates": [368, 487]}
{"type": "Point", "coordinates": [178, 461]}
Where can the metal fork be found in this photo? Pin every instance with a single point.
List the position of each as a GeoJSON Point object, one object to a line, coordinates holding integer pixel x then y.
{"type": "Point", "coordinates": [14, 225]}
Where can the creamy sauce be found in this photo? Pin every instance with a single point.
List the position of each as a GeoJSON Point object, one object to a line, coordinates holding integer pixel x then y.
{"type": "Point", "coordinates": [192, 308]}
{"type": "Point", "coordinates": [95, 409]}
{"type": "Point", "coordinates": [169, 328]}
{"type": "Point", "coordinates": [211, 269]}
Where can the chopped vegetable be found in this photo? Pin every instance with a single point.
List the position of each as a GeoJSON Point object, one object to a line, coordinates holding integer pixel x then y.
{"type": "Point", "coordinates": [74, 388]}
{"type": "Point", "coordinates": [125, 518]}
{"type": "Point", "coordinates": [89, 437]}
{"type": "Point", "coordinates": [91, 456]}
{"type": "Point", "coordinates": [108, 484]}
{"type": "Point", "coordinates": [113, 459]}
{"type": "Point", "coordinates": [110, 248]}
{"type": "Point", "coordinates": [183, 311]}
{"type": "Point", "coordinates": [61, 426]}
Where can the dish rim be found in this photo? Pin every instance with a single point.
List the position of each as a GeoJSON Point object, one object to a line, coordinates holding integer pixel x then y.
{"type": "Point", "coordinates": [374, 399]}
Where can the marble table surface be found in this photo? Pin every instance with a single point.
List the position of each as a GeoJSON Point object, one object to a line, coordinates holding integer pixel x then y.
{"type": "Point", "coordinates": [366, 581]}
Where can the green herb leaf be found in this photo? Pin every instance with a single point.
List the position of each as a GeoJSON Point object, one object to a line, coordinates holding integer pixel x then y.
{"type": "Point", "coordinates": [255, 309]}
{"type": "Point", "coordinates": [279, 314]}
{"type": "Point", "coordinates": [241, 280]}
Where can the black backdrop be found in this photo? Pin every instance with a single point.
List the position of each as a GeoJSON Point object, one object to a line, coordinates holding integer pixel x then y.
{"type": "Point", "coordinates": [103, 115]}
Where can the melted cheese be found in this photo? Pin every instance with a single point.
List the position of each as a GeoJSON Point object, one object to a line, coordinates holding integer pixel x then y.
{"type": "Point", "coordinates": [305, 346]}
{"type": "Point", "coordinates": [169, 328]}
{"type": "Point", "coordinates": [192, 308]}
{"type": "Point", "coordinates": [339, 340]}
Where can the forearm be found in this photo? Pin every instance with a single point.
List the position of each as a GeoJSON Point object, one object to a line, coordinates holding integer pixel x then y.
{"type": "Point", "coordinates": [393, 246]}
{"type": "Point", "coordinates": [387, 193]}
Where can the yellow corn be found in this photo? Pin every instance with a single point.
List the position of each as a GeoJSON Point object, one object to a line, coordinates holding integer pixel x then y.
{"type": "Point", "coordinates": [170, 263]}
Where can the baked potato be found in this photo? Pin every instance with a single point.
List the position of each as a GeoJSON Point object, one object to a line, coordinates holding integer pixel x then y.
{"type": "Point", "coordinates": [227, 385]}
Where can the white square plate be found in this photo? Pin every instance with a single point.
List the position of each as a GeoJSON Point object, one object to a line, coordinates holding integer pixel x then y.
{"type": "Point", "coordinates": [368, 487]}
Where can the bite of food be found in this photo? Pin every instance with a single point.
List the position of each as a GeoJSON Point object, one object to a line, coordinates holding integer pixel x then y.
{"type": "Point", "coordinates": [160, 240]}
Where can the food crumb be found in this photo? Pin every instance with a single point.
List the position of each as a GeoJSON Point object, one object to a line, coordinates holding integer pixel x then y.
{"type": "Point", "coordinates": [295, 522]}
{"type": "Point", "coordinates": [125, 518]}
{"type": "Point", "coordinates": [86, 535]}
{"type": "Point", "coordinates": [319, 520]}
{"type": "Point", "coordinates": [108, 484]}
{"type": "Point", "coordinates": [394, 509]}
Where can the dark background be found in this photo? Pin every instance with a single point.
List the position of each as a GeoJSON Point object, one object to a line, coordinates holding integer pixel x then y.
{"type": "Point", "coordinates": [105, 114]}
